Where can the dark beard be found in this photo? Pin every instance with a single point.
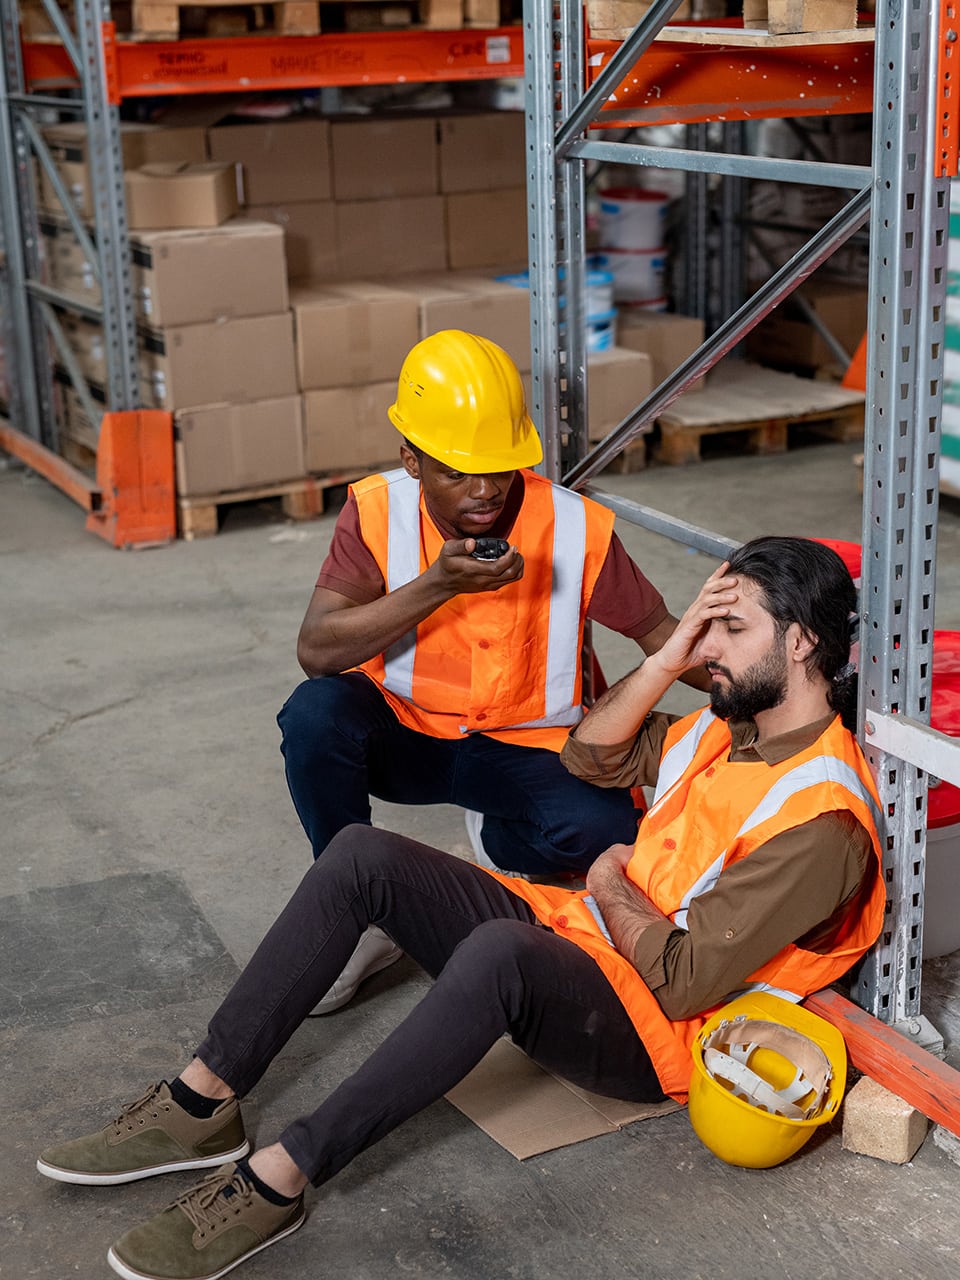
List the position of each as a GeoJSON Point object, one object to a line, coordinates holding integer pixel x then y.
{"type": "Point", "coordinates": [762, 687]}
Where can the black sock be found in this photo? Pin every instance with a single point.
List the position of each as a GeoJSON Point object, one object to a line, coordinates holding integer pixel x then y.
{"type": "Point", "coordinates": [195, 1104]}
{"type": "Point", "coordinates": [259, 1185]}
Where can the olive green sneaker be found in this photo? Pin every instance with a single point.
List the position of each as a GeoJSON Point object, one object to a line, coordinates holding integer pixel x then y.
{"type": "Point", "coordinates": [206, 1232]}
{"type": "Point", "coordinates": [152, 1135]}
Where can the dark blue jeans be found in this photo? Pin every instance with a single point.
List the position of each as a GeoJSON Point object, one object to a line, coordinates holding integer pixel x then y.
{"type": "Point", "coordinates": [342, 744]}
{"type": "Point", "coordinates": [497, 971]}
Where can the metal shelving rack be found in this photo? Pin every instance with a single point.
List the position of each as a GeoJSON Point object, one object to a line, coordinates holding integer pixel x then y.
{"type": "Point", "coordinates": [904, 196]}
{"type": "Point", "coordinates": [653, 77]}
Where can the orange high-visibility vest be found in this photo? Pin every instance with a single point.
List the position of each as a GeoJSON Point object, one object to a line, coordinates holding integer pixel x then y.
{"type": "Point", "coordinates": [707, 814]}
{"type": "Point", "coordinates": [506, 663]}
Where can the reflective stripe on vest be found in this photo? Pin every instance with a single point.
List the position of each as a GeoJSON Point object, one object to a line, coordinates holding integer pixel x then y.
{"type": "Point", "coordinates": [563, 628]}
{"type": "Point", "coordinates": [676, 761]}
{"type": "Point", "coordinates": [809, 774]}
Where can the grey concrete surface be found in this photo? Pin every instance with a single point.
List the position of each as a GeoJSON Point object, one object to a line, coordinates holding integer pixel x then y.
{"type": "Point", "coordinates": [148, 840]}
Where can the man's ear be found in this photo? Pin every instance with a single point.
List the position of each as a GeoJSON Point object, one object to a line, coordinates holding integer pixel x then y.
{"type": "Point", "coordinates": [800, 643]}
{"type": "Point", "coordinates": [411, 463]}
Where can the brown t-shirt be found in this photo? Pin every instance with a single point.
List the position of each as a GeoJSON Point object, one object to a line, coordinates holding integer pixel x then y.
{"type": "Point", "coordinates": [797, 887]}
{"type": "Point", "coordinates": [623, 600]}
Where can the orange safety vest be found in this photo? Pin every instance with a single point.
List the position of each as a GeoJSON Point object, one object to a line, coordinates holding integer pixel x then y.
{"type": "Point", "coordinates": [707, 814]}
{"type": "Point", "coordinates": [505, 663]}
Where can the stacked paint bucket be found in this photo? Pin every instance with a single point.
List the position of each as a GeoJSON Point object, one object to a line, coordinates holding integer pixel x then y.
{"type": "Point", "coordinates": [941, 918]}
{"type": "Point", "coordinates": [601, 318]}
{"type": "Point", "coordinates": [632, 224]}
{"type": "Point", "coordinates": [950, 416]}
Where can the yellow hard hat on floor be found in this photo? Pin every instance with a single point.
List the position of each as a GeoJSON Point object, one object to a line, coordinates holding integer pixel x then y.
{"type": "Point", "coordinates": [766, 1073]}
{"type": "Point", "coordinates": [460, 399]}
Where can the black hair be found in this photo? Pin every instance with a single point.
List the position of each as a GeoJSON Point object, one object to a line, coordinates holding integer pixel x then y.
{"type": "Point", "coordinates": [414, 449]}
{"type": "Point", "coordinates": [805, 582]}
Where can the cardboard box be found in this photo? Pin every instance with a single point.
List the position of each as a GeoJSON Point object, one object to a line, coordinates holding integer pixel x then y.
{"type": "Point", "coordinates": [282, 160]}
{"type": "Point", "coordinates": [786, 339]}
{"type": "Point", "coordinates": [387, 237]}
{"type": "Point", "coordinates": [476, 304]}
{"type": "Point", "coordinates": [140, 144]}
{"type": "Point", "coordinates": [309, 236]}
{"type": "Point", "coordinates": [666, 337]}
{"type": "Point", "coordinates": [88, 346]}
{"type": "Point", "coordinates": [347, 428]}
{"type": "Point", "coordinates": [177, 194]}
{"type": "Point", "coordinates": [486, 228]}
{"type": "Point", "coordinates": [187, 276]}
{"type": "Point", "coordinates": [384, 156]}
{"type": "Point", "coordinates": [617, 381]}
{"type": "Point", "coordinates": [67, 265]}
{"type": "Point", "coordinates": [223, 447]}
{"type": "Point", "coordinates": [246, 358]}
{"type": "Point", "coordinates": [482, 152]}
{"type": "Point", "coordinates": [353, 333]}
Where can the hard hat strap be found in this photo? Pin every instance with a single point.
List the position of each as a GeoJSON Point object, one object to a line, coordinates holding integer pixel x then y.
{"type": "Point", "coordinates": [726, 1054]}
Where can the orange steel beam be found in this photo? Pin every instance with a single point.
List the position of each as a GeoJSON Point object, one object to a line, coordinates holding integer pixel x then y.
{"type": "Point", "coordinates": [893, 1060]}
{"type": "Point", "coordinates": [252, 63]}
{"type": "Point", "coordinates": [683, 81]}
{"type": "Point", "coordinates": [948, 91]}
{"type": "Point", "coordinates": [51, 466]}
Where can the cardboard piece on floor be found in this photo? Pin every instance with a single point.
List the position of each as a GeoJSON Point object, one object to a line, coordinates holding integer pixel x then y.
{"type": "Point", "coordinates": [528, 1111]}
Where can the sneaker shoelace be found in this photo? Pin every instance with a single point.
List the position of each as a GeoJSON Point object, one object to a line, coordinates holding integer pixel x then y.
{"type": "Point", "coordinates": [129, 1115]}
{"type": "Point", "coordinates": [200, 1207]}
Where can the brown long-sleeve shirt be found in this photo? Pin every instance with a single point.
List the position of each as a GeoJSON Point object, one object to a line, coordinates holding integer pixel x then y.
{"type": "Point", "coordinates": [797, 887]}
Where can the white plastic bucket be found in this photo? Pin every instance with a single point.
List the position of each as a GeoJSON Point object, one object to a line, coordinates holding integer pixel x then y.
{"type": "Point", "coordinates": [639, 275]}
{"type": "Point", "coordinates": [632, 218]}
{"type": "Point", "coordinates": [602, 330]}
{"type": "Point", "coordinates": [598, 291]}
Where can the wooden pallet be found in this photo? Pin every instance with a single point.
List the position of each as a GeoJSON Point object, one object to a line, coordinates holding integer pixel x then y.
{"type": "Point", "coordinates": [748, 409]}
{"type": "Point", "coordinates": [171, 19]}
{"type": "Point", "coordinates": [199, 517]}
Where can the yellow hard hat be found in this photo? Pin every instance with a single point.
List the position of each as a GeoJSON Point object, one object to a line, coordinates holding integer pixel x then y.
{"type": "Point", "coordinates": [460, 399]}
{"type": "Point", "coordinates": [766, 1073]}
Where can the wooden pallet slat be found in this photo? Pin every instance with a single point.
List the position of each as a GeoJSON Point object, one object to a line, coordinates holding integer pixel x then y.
{"type": "Point", "coordinates": [166, 19]}
{"type": "Point", "coordinates": [304, 499]}
{"type": "Point", "coordinates": [761, 408]}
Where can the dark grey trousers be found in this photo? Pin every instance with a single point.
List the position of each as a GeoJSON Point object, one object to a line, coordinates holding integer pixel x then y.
{"type": "Point", "coordinates": [496, 970]}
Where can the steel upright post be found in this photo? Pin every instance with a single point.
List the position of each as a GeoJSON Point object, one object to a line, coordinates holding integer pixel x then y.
{"type": "Point", "coordinates": [906, 324]}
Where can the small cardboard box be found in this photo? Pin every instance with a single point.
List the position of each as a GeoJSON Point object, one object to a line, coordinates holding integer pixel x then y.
{"type": "Point", "coordinates": [281, 160]}
{"type": "Point", "coordinates": [486, 228]}
{"type": "Point", "coordinates": [476, 304]}
{"type": "Point", "coordinates": [384, 156]}
{"type": "Point", "coordinates": [352, 333]}
{"type": "Point", "coordinates": [387, 237]}
{"type": "Point", "coordinates": [482, 152]}
{"type": "Point", "coordinates": [245, 358]}
{"type": "Point", "coordinates": [178, 194]}
{"type": "Point", "coordinates": [140, 144]}
{"type": "Point", "coordinates": [87, 344]}
{"type": "Point", "coordinates": [667, 338]}
{"type": "Point", "coordinates": [786, 339]}
{"type": "Point", "coordinates": [189, 275]}
{"type": "Point", "coordinates": [67, 265]}
{"type": "Point", "coordinates": [309, 236]}
{"type": "Point", "coordinates": [617, 381]}
{"type": "Point", "coordinates": [347, 428]}
{"type": "Point", "coordinates": [223, 447]}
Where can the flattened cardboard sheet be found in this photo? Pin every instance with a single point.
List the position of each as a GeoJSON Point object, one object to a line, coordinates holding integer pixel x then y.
{"type": "Point", "coordinates": [528, 1111]}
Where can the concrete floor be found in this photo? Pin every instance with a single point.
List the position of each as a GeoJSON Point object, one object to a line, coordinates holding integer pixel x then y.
{"type": "Point", "coordinates": [148, 841]}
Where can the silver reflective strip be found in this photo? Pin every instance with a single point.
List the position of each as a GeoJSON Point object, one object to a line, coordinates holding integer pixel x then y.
{"type": "Point", "coordinates": [403, 565]}
{"type": "Point", "coordinates": [566, 593]}
{"type": "Point", "coordinates": [567, 716]}
{"type": "Point", "coordinates": [590, 903]}
{"type": "Point", "coordinates": [675, 762]}
{"type": "Point", "coordinates": [773, 991]}
{"type": "Point", "coordinates": [704, 882]}
{"type": "Point", "coordinates": [810, 774]}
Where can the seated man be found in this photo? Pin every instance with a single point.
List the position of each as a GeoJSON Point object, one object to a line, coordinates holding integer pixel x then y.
{"type": "Point", "coordinates": [757, 865]}
{"type": "Point", "coordinates": [448, 679]}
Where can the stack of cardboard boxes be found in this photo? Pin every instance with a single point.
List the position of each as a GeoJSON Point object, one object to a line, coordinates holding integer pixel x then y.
{"type": "Point", "coordinates": [282, 270]}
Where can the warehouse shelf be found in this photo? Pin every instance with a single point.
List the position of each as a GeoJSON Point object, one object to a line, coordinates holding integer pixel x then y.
{"type": "Point", "coordinates": [259, 63]}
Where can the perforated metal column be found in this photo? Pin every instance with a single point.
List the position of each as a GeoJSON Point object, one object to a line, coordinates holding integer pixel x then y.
{"type": "Point", "coordinates": [908, 245]}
